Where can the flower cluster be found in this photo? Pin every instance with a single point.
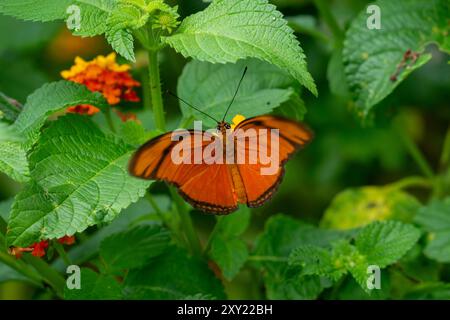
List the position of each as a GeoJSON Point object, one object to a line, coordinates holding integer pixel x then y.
{"type": "Point", "coordinates": [105, 75]}
{"type": "Point", "coordinates": [37, 249]}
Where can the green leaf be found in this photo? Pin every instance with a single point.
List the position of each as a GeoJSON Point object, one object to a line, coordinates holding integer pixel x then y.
{"type": "Point", "coordinates": [435, 219]}
{"type": "Point", "coordinates": [81, 179]}
{"type": "Point", "coordinates": [383, 243]}
{"type": "Point", "coordinates": [13, 160]}
{"type": "Point", "coordinates": [210, 87]}
{"type": "Point", "coordinates": [371, 57]}
{"type": "Point", "coordinates": [227, 249]}
{"type": "Point", "coordinates": [173, 275]}
{"type": "Point", "coordinates": [35, 10]}
{"type": "Point", "coordinates": [94, 286]}
{"type": "Point", "coordinates": [229, 30]}
{"type": "Point", "coordinates": [92, 21]}
{"type": "Point", "coordinates": [133, 248]}
{"type": "Point", "coordinates": [354, 208]}
{"type": "Point", "coordinates": [281, 236]}
{"type": "Point", "coordinates": [49, 99]}
{"type": "Point", "coordinates": [122, 42]}
{"type": "Point", "coordinates": [134, 133]}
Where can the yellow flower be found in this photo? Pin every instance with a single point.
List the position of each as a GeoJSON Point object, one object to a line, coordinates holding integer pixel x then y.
{"type": "Point", "coordinates": [236, 120]}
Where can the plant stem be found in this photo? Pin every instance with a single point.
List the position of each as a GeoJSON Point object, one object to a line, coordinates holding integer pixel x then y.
{"type": "Point", "coordinates": [109, 119]}
{"type": "Point", "coordinates": [62, 253]}
{"type": "Point", "coordinates": [268, 258]}
{"type": "Point", "coordinates": [155, 89]}
{"type": "Point", "coordinates": [325, 12]}
{"type": "Point", "coordinates": [22, 268]}
{"type": "Point", "coordinates": [212, 234]}
{"type": "Point", "coordinates": [186, 221]}
{"type": "Point", "coordinates": [445, 155]}
{"type": "Point", "coordinates": [50, 275]}
{"type": "Point", "coordinates": [409, 182]}
{"type": "Point", "coordinates": [417, 155]}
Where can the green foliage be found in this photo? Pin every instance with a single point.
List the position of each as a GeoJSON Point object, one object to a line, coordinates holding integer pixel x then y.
{"type": "Point", "coordinates": [281, 236]}
{"type": "Point", "coordinates": [435, 219]}
{"type": "Point", "coordinates": [49, 99]}
{"type": "Point", "coordinates": [353, 208]}
{"type": "Point", "coordinates": [227, 249]}
{"type": "Point", "coordinates": [71, 174]}
{"type": "Point", "coordinates": [133, 248]}
{"type": "Point", "coordinates": [371, 57]}
{"type": "Point", "coordinates": [80, 179]}
{"type": "Point", "coordinates": [35, 10]}
{"type": "Point", "coordinates": [174, 275]}
{"type": "Point", "coordinates": [210, 87]}
{"type": "Point", "coordinates": [227, 31]}
{"type": "Point", "coordinates": [380, 244]}
{"type": "Point", "coordinates": [94, 287]}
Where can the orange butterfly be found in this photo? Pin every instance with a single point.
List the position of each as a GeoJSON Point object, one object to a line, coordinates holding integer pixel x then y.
{"type": "Point", "coordinates": [219, 186]}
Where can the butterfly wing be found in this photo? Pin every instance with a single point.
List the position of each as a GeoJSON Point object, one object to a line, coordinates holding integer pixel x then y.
{"type": "Point", "coordinates": [208, 187]}
{"type": "Point", "coordinates": [292, 136]}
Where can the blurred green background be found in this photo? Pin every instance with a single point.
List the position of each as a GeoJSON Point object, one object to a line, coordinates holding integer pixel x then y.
{"type": "Point", "coordinates": [344, 153]}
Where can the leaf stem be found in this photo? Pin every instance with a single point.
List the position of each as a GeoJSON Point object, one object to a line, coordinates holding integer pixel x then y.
{"type": "Point", "coordinates": [445, 155]}
{"type": "Point", "coordinates": [268, 258]}
{"type": "Point", "coordinates": [327, 16]}
{"type": "Point", "coordinates": [155, 89]}
{"type": "Point", "coordinates": [62, 253]}
{"type": "Point", "coordinates": [109, 119]}
{"type": "Point", "coordinates": [50, 275]}
{"type": "Point", "coordinates": [213, 234]}
{"type": "Point", "coordinates": [417, 155]}
{"type": "Point", "coordinates": [186, 221]}
{"type": "Point", "coordinates": [22, 268]}
{"type": "Point", "coordinates": [409, 182]}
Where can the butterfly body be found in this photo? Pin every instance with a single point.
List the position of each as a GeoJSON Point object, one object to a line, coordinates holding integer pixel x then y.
{"type": "Point", "coordinates": [220, 186]}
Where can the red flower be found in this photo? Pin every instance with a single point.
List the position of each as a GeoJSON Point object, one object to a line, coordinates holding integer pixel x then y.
{"type": "Point", "coordinates": [68, 240]}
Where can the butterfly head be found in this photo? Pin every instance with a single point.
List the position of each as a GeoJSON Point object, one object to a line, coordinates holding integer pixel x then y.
{"type": "Point", "coordinates": [223, 126]}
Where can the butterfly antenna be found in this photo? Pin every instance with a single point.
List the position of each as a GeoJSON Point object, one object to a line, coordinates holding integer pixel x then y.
{"type": "Point", "coordinates": [190, 105]}
{"type": "Point", "coordinates": [235, 94]}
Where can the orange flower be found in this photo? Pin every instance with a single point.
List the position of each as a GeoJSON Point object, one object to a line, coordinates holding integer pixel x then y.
{"type": "Point", "coordinates": [68, 240]}
{"type": "Point", "coordinates": [104, 75]}
{"type": "Point", "coordinates": [39, 248]}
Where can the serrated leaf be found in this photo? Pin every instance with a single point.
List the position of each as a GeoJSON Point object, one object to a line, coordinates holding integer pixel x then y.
{"type": "Point", "coordinates": [122, 42]}
{"type": "Point", "coordinates": [50, 98]}
{"type": "Point", "coordinates": [283, 234]}
{"type": "Point", "coordinates": [13, 160]}
{"type": "Point", "coordinates": [174, 275]}
{"type": "Point", "coordinates": [354, 208]}
{"type": "Point", "coordinates": [229, 30]}
{"type": "Point", "coordinates": [435, 219]}
{"type": "Point", "coordinates": [227, 249]}
{"type": "Point", "coordinates": [134, 248]}
{"type": "Point", "coordinates": [80, 179]}
{"type": "Point", "coordinates": [210, 87]}
{"type": "Point", "coordinates": [383, 243]}
{"type": "Point", "coordinates": [371, 57]}
{"type": "Point", "coordinates": [92, 21]}
{"type": "Point", "coordinates": [35, 10]}
{"type": "Point", "coordinates": [94, 286]}
{"type": "Point", "coordinates": [313, 260]}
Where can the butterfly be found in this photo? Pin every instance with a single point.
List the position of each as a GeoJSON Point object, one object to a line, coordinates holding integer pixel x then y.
{"type": "Point", "coordinates": [220, 186]}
